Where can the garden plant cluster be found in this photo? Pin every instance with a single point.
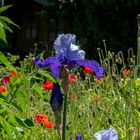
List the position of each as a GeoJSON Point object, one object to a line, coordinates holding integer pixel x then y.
{"type": "Point", "coordinates": [68, 97]}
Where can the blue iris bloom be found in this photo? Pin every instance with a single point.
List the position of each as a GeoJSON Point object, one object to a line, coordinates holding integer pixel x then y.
{"type": "Point", "coordinates": [78, 137]}
{"type": "Point", "coordinates": [68, 53]}
{"type": "Point", "coordinates": [109, 134]}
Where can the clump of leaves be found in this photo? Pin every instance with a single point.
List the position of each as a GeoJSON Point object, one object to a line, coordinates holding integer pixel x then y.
{"type": "Point", "coordinates": [5, 24]}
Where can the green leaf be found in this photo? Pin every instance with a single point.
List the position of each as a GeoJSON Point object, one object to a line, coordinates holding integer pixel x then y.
{"type": "Point", "coordinates": [4, 101]}
{"type": "Point", "coordinates": [38, 90]}
{"type": "Point", "coordinates": [47, 75]}
{"type": "Point", "coordinates": [5, 61]}
{"type": "Point", "coordinates": [21, 99]}
{"type": "Point", "coordinates": [6, 26]}
{"type": "Point", "coordinates": [3, 8]}
{"type": "Point", "coordinates": [37, 78]}
{"type": "Point", "coordinates": [25, 80]}
{"type": "Point", "coordinates": [15, 121]}
{"type": "Point", "coordinates": [15, 106]}
{"type": "Point", "coordinates": [6, 127]}
{"type": "Point", "coordinates": [5, 108]}
{"type": "Point", "coordinates": [14, 80]}
{"type": "Point", "coordinates": [2, 33]}
{"type": "Point", "coordinates": [29, 122]}
{"type": "Point", "coordinates": [8, 20]}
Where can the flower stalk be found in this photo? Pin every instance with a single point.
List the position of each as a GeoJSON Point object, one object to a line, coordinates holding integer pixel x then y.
{"type": "Point", "coordinates": [64, 116]}
{"type": "Point", "coordinates": [65, 84]}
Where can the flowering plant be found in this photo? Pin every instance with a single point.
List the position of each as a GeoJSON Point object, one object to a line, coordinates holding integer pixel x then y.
{"type": "Point", "coordinates": [68, 56]}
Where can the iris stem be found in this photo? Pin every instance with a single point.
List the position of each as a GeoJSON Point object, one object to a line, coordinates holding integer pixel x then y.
{"type": "Point", "coordinates": [64, 116]}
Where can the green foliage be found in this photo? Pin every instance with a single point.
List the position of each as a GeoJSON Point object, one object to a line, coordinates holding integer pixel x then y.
{"type": "Point", "coordinates": [5, 61]}
{"type": "Point", "coordinates": [38, 90]}
{"type": "Point", "coordinates": [93, 104]}
{"type": "Point", "coordinates": [46, 75]}
{"type": "Point", "coordinates": [5, 23]}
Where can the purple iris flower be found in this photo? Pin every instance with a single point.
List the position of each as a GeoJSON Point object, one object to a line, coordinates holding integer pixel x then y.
{"type": "Point", "coordinates": [78, 137]}
{"type": "Point", "coordinates": [109, 134]}
{"type": "Point", "coordinates": [68, 53]}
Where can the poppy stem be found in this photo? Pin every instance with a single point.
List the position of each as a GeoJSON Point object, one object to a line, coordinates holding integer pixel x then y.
{"type": "Point", "coordinates": [14, 93]}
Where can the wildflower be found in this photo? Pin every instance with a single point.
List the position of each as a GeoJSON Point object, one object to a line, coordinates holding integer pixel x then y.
{"type": "Point", "coordinates": [87, 70]}
{"type": "Point", "coordinates": [90, 90]}
{"type": "Point", "coordinates": [12, 73]}
{"type": "Point", "coordinates": [49, 124]}
{"type": "Point", "coordinates": [41, 118]}
{"type": "Point", "coordinates": [109, 134]}
{"type": "Point", "coordinates": [48, 85]}
{"type": "Point", "coordinates": [6, 79]}
{"type": "Point", "coordinates": [3, 89]}
{"type": "Point", "coordinates": [126, 72]}
{"type": "Point", "coordinates": [67, 53]}
{"type": "Point", "coordinates": [72, 78]}
{"type": "Point", "coordinates": [19, 75]}
{"type": "Point", "coordinates": [78, 137]}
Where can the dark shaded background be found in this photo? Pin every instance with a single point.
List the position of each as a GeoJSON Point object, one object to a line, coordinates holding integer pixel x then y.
{"type": "Point", "coordinates": [94, 20]}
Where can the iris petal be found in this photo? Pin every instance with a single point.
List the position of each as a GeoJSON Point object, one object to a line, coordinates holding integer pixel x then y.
{"type": "Point", "coordinates": [53, 62]}
{"type": "Point", "coordinates": [63, 41]}
{"type": "Point", "coordinates": [65, 47]}
{"type": "Point", "coordinates": [109, 134]}
{"type": "Point", "coordinates": [94, 65]}
{"type": "Point", "coordinates": [77, 54]}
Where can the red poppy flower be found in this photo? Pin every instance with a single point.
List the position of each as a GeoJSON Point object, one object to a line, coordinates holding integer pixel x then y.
{"type": "Point", "coordinates": [126, 72]}
{"type": "Point", "coordinates": [19, 75]}
{"type": "Point", "coordinates": [48, 85]}
{"type": "Point", "coordinates": [87, 70]}
{"type": "Point", "coordinates": [41, 118]}
{"type": "Point", "coordinates": [6, 79]}
{"type": "Point", "coordinates": [12, 73]}
{"type": "Point", "coordinates": [3, 89]}
{"type": "Point", "coordinates": [72, 78]}
{"type": "Point", "coordinates": [49, 124]}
